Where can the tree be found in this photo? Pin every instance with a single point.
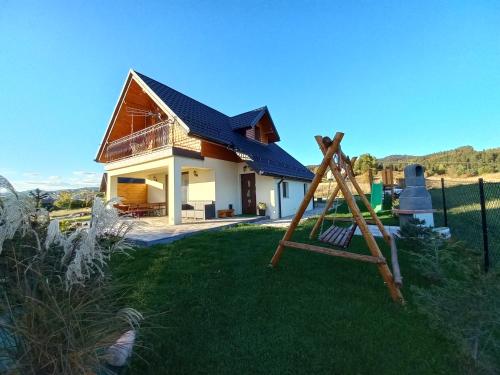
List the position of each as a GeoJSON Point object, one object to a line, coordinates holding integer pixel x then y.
{"type": "Point", "coordinates": [64, 200]}
{"type": "Point", "coordinates": [364, 163]}
{"type": "Point", "coordinates": [87, 196]}
{"type": "Point", "coordinates": [38, 196]}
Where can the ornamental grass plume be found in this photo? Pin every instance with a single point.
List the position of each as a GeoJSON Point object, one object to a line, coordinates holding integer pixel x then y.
{"type": "Point", "coordinates": [59, 311]}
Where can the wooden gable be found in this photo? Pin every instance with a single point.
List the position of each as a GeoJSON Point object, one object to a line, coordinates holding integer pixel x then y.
{"type": "Point", "coordinates": [127, 117]}
{"type": "Point", "coordinates": [263, 131]}
{"type": "Point", "coordinates": [134, 101]}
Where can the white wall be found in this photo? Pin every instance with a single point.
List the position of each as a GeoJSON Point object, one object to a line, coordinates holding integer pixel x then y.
{"type": "Point", "coordinates": [296, 193]}
{"type": "Point", "coordinates": [156, 189]}
{"type": "Point", "coordinates": [224, 191]}
{"type": "Point", "coordinates": [201, 186]}
{"type": "Point", "coordinates": [112, 187]}
{"type": "Point", "coordinates": [266, 191]}
{"type": "Point", "coordinates": [174, 203]}
{"type": "Point", "coordinates": [227, 185]}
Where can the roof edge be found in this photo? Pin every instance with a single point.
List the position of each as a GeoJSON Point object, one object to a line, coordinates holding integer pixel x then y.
{"type": "Point", "coordinates": [132, 74]}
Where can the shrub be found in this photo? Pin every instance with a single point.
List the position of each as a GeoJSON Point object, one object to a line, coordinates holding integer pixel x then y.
{"type": "Point", "coordinates": [486, 169]}
{"type": "Point", "coordinates": [364, 163]}
{"type": "Point", "coordinates": [59, 312]}
{"type": "Point", "coordinates": [467, 309]}
{"type": "Point", "coordinates": [78, 203]}
{"type": "Point", "coordinates": [461, 301]}
{"type": "Point", "coordinates": [64, 200]}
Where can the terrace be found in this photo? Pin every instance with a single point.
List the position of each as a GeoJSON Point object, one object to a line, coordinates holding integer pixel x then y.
{"type": "Point", "coordinates": [162, 135]}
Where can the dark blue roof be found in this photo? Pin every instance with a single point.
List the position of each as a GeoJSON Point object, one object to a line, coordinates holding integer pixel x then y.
{"type": "Point", "coordinates": [210, 124]}
{"type": "Point", "coordinates": [247, 119]}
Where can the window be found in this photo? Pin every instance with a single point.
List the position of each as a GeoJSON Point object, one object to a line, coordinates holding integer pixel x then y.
{"type": "Point", "coordinates": [286, 193]}
{"type": "Point", "coordinates": [130, 180]}
{"type": "Point", "coordinates": [305, 189]}
{"type": "Point", "coordinates": [257, 134]}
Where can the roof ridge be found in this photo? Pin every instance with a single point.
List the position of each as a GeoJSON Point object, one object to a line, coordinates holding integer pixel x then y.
{"type": "Point", "coordinates": [263, 108]}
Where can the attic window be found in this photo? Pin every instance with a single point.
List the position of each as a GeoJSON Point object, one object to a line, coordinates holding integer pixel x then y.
{"type": "Point", "coordinates": [250, 133]}
{"type": "Point", "coordinates": [257, 134]}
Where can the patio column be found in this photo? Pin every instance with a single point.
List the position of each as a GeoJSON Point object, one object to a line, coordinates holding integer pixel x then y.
{"type": "Point", "coordinates": [174, 192]}
{"type": "Point", "coordinates": [111, 187]}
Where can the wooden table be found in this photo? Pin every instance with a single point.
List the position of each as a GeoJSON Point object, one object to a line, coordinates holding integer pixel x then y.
{"type": "Point", "coordinates": [142, 209]}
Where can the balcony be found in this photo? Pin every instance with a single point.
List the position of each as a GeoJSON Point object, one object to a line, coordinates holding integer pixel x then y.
{"type": "Point", "coordinates": [159, 136]}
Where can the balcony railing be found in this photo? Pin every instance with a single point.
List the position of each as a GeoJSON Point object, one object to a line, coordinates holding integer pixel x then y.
{"type": "Point", "coordinates": [156, 137]}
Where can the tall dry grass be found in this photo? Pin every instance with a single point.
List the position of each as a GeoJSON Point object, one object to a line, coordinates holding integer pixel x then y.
{"type": "Point", "coordinates": [59, 312]}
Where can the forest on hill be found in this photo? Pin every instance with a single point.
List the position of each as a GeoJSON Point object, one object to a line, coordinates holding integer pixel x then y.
{"type": "Point", "coordinates": [462, 161]}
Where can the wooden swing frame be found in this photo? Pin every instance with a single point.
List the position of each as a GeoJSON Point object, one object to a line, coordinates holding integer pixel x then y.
{"type": "Point", "coordinates": [341, 167]}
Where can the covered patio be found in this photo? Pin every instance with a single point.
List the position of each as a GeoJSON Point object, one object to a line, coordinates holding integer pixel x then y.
{"type": "Point", "coordinates": [176, 189]}
{"type": "Point", "coordinates": [148, 231]}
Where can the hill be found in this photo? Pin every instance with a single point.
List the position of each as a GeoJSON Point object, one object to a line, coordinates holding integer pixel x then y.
{"type": "Point", "coordinates": [461, 161]}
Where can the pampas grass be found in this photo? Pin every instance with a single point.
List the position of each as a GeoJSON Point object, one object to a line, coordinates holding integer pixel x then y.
{"type": "Point", "coordinates": [59, 311]}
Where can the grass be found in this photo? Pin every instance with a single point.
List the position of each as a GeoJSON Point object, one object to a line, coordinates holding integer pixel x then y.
{"type": "Point", "coordinates": [78, 219]}
{"type": "Point", "coordinates": [343, 212]}
{"type": "Point", "coordinates": [67, 212]}
{"type": "Point", "coordinates": [223, 311]}
{"type": "Point", "coordinates": [464, 214]}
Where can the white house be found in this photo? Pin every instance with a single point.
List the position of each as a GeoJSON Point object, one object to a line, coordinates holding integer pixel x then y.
{"type": "Point", "coordinates": [165, 149]}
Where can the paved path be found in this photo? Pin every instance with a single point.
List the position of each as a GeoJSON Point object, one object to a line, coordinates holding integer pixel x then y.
{"type": "Point", "coordinates": [285, 221]}
{"type": "Point", "coordinates": [148, 231]}
{"type": "Point", "coordinates": [392, 229]}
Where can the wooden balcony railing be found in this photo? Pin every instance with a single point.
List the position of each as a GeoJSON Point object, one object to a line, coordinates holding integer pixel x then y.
{"type": "Point", "coordinates": [156, 137]}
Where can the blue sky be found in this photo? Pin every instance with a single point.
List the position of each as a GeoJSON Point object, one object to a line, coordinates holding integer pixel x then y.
{"type": "Point", "coordinates": [396, 77]}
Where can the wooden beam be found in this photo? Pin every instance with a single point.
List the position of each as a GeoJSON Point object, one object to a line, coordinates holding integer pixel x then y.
{"type": "Point", "coordinates": [398, 279]}
{"type": "Point", "coordinates": [385, 234]}
{"type": "Point", "coordinates": [329, 150]}
{"type": "Point", "coordinates": [333, 252]}
{"type": "Point", "coordinates": [348, 219]}
{"type": "Point", "coordinates": [325, 211]}
{"type": "Point", "coordinates": [384, 270]}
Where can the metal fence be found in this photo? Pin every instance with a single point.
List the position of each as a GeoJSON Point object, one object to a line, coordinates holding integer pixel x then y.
{"type": "Point", "coordinates": [471, 209]}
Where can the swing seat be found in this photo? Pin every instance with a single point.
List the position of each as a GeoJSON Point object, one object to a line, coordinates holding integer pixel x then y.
{"type": "Point", "coordinates": [338, 236]}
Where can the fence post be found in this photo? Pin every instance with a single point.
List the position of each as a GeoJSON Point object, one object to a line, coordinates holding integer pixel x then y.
{"type": "Point", "coordinates": [445, 213]}
{"type": "Point", "coordinates": [484, 225]}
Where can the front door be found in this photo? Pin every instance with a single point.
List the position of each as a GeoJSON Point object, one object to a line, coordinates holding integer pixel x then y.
{"type": "Point", "coordinates": [248, 203]}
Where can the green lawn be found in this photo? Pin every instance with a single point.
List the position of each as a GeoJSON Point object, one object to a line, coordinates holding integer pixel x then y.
{"type": "Point", "coordinates": [464, 215]}
{"type": "Point", "coordinates": [213, 306]}
{"type": "Point", "coordinates": [343, 212]}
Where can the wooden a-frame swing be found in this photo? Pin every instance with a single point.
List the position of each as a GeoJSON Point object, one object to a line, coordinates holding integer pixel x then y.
{"type": "Point", "coordinates": [341, 167]}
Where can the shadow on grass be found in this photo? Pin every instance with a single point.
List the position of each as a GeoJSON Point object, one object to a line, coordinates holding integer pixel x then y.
{"type": "Point", "coordinates": [226, 312]}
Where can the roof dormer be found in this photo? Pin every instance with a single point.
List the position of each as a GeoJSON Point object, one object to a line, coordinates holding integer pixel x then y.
{"type": "Point", "coordinates": [256, 125]}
